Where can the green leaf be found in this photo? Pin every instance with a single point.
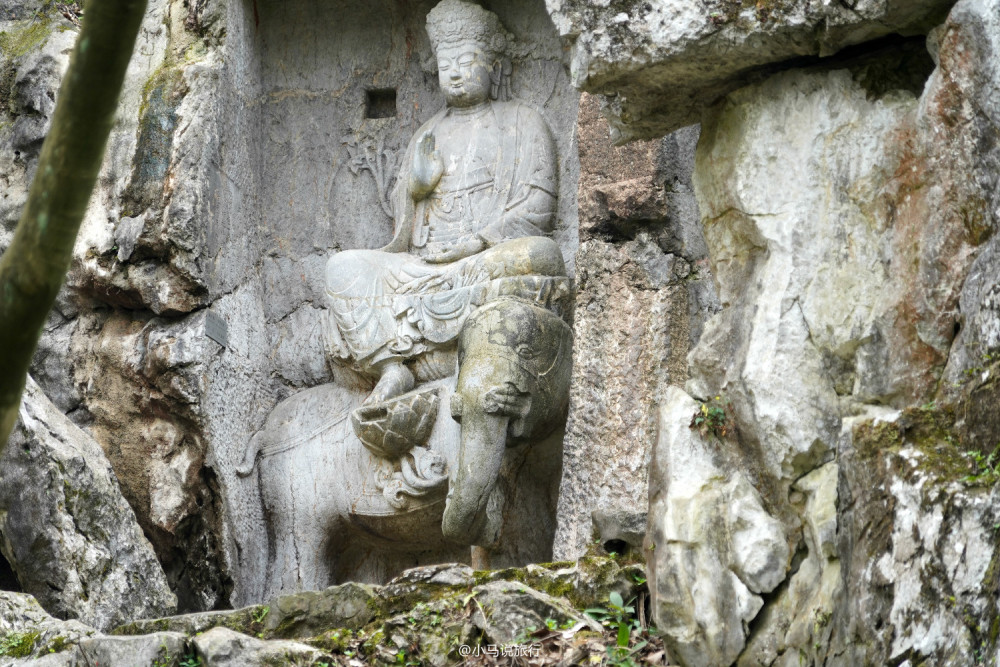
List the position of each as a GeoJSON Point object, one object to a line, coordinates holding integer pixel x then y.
{"type": "Point", "coordinates": [616, 599]}
{"type": "Point", "coordinates": [623, 634]}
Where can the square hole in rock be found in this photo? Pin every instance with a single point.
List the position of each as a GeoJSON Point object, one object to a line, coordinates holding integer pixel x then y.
{"type": "Point", "coordinates": [380, 103]}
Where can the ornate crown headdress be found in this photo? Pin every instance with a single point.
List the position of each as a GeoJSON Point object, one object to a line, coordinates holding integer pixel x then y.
{"type": "Point", "coordinates": [455, 21]}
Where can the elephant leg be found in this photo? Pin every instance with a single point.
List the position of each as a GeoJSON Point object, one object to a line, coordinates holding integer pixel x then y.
{"type": "Point", "coordinates": [484, 440]}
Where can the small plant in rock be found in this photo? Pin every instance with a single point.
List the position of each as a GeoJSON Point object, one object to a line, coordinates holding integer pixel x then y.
{"type": "Point", "coordinates": [190, 660]}
{"type": "Point", "coordinates": [619, 617]}
{"type": "Point", "coordinates": [163, 657]}
{"type": "Point", "coordinates": [18, 644]}
{"type": "Point", "coordinates": [401, 659]}
{"type": "Point", "coordinates": [259, 615]}
{"type": "Point", "coordinates": [986, 469]}
{"type": "Point", "coordinates": [713, 417]}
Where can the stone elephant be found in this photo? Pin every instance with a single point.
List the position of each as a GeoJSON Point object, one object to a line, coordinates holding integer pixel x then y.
{"type": "Point", "coordinates": [487, 475]}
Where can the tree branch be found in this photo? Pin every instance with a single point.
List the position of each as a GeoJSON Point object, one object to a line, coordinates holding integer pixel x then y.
{"type": "Point", "coordinates": [34, 266]}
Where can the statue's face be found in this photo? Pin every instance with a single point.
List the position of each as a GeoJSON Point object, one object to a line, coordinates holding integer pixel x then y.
{"type": "Point", "coordinates": [464, 74]}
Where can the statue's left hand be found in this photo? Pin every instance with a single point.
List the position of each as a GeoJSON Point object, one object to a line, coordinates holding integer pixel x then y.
{"type": "Point", "coordinates": [458, 251]}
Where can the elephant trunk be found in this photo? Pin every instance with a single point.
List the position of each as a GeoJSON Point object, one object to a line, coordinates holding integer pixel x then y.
{"type": "Point", "coordinates": [465, 519]}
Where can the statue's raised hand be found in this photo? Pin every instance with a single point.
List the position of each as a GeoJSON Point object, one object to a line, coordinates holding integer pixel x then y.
{"type": "Point", "coordinates": [427, 167]}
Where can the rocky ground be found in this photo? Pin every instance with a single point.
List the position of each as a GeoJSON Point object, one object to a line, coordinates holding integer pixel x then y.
{"type": "Point", "coordinates": [593, 611]}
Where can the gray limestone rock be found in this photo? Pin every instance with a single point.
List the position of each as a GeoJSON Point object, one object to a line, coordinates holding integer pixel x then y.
{"type": "Point", "coordinates": [223, 647]}
{"type": "Point", "coordinates": [422, 583]}
{"type": "Point", "coordinates": [620, 525]}
{"type": "Point", "coordinates": [591, 580]}
{"type": "Point", "coordinates": [644, 291]}
{"type": "Point", "coordinates": [660, 64]}
{"type": "Point", "coordinates": [917, 541]}
{"type": "Point", "coordinates": [67, 531]}
{"type": "Point", "coordinates": [11, 10]}
{"type": "Point", "coordinates": [35, 635]}
{"type": "Point", "coordinates": [713, 549]}
{"type": "Point", "coordinates": [306, 614]}
{"type": "Point", "coordinates": [158, 648]}
{"type": "Point", "coordinates": [840, 300]}
{"type": "Point", "coordinates": [507, 608]}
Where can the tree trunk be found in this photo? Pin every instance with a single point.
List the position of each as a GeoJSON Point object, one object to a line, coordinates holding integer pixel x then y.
{"type": "Point", "coordinates": [34, 266]}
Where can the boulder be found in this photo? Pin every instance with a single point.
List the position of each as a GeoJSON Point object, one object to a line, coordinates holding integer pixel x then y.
{"type": "Point", "coordinates": [222, 647]}
{"type": "Point", "coordinates": [68, 533]}
{"type": "Point", "coordinates": [349, 605]}
{"type": "Point", "coordinates": [508, 609]}
{"type": "Point", "coordinates": [32, 636]}
{"type": "Point", "coordinates": [158, 648]}
{"type": "Point", "coordinates": [713, 550]}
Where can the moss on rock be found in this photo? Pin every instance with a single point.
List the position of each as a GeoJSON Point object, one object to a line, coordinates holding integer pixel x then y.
{"type": "Point", "coordinates": [18, 644]}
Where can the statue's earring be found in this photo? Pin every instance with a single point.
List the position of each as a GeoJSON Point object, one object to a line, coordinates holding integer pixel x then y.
{"type": "Point", "coordinates": [495, 78]}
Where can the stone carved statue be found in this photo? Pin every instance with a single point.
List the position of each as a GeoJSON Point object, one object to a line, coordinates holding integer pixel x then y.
{"type": "Point", "coordinates": [458, 320]}
{"type": "Point", "coordinates": [475, 198]}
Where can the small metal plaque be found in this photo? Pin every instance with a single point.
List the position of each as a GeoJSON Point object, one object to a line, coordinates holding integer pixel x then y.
{"type": "Point", "coordinates": [217, 329]}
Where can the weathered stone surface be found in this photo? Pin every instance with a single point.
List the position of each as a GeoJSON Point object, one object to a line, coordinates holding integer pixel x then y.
{"type": "Point", "coordinates": [306, 614]}
{"type": "Point", "coordinates": [425, 615]}
{"type": "Point", "coordinates": [420, 584]}
{"type": "Point", "coordinates": [843, 295]}
{"type": "Point", "coordinates": [620, 526]}
{"type": "Point", "coordinates": [32, 634]}
{"type": "Point", "coordinates": [661, 63]}
{"type": "Point", "coordinates": [846, 213]}
{"type": "Point", "coordinates": [713, 549]}
{"type": "Point", "coordinates": [227, 648]}
{"type": "Point", "coordinates": [158, 648]}
{"type": "Point", "coordinates": [507, 609]}
{"type": "Point", "coordinates": [34, 53]}
{"type": "Point", "coordinates": [67, 531]}
{"type": "Point", "coordinates": [918, 541]}
{"type": "Point", "coordinates": [644, 291]}
{"type": "Point", "coordinates": [246, 620]}
{"type": "Point", "coordinates": [796, 623]}
{"type": "Point", "coordinates": [11, 10]}
{"type": "Point", "coordinates": [586, 583]}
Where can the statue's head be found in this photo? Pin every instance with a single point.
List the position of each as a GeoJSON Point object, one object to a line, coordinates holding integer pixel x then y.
{"type": "Point", "coordinates": [469, 42]}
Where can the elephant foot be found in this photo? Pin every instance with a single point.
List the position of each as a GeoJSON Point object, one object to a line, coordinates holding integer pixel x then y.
{"type": "Point", "coordinates": [394, 379]}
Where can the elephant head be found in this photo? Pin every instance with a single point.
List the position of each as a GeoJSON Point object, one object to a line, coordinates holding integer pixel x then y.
{"type": "Point", "coordinates": [513, 387]}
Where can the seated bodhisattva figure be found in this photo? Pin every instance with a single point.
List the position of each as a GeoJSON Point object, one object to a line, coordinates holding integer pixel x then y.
{"type": "Point", "coordinates": [475, 197]}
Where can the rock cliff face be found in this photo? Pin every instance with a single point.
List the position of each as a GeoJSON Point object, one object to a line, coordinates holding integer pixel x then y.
{"type": "Point", "coordinates": [660, 63]}
{"type": "Point", "coordinates": [73, 540]}
{"type": "Point", "coordinates": [644, 291]}
{"type": "Point", "coordinates": [849, 208]}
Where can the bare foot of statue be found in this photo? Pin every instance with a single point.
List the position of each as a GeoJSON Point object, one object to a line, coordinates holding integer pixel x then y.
{"type": "Point", "coordinates": [395, 379]}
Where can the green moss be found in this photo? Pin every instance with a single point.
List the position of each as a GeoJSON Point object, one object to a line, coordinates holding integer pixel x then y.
{"type": "Point", "coordinates": [333, 641]}
{"type": "Point", "coordinates": [57, 645]}
{"type": "Point", "coordinates": [931, 430]}
{"type": "Point", "coordinates": [558, 565]}
{"type": "Point", "coordinates": [369, 644]}
{"type": "Point", "coordinates": [24, 39]}
{"type": "Point", "coordinates": [18, 644]}
{"type": "Point", "coordinates": [8, 73]}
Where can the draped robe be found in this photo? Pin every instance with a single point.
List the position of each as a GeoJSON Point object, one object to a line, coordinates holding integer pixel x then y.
{"type": "Point", "coordinates": [499, 186]}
